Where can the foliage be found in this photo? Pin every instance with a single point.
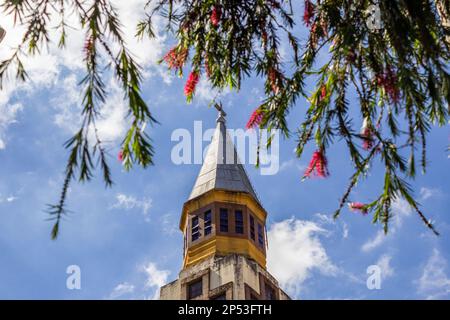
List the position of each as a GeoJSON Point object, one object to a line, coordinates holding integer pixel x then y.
{"type": "Point", "coordinates": [399, 72]}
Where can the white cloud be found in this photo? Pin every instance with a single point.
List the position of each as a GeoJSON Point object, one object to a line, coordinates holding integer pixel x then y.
{"type": "Point", "coordinates": [169, 224]}
{"type": "Point", "coordinates": [113, 124]}
{"type": "Point", "coordinates": [155, 276]}
{"type": "Point", "coordinates": [128, 203]}
{"type": "Point", "coordinates": [345, 231]}
{"type": "Point", "coordinates": [374, 242]}
{"type": "Point", "coordinates": [292, 163]}
{"type": "Point", "coordinates": [427, 193]}
{"type": "Point", "coordinates": [8, 199]}
{"type": "Point", "coordinates": [121, 290]}
{"type": "Point", "coordinates": [295, 252]}
{"type": "Point", "coordinates": [325, 219]}
{"type": "Point", "coordinates": [205, 93]}
{"type": "Point", "coordinates": [8, 115]}
{"type": "Point", "coordinates": [11, 199]}
{"type": "Point", "coordinates": [146, 51]}
{"type": "Point", "coordinates": [146, 285]}
{"type": "Point", "coordinates": [400, 210]}
{"type": "Point", "coordinates": [434, 282]}
{"type": "Point", "coordinates": [68, 104]}
{"type": "Point", "coordinates": [44, 70]}
{"type": "Point", "coordinates": [384, 262]}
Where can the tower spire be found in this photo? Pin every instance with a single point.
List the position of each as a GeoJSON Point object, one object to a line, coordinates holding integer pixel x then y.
{"type": "Point", "coordinates": [223, 224]}
{"type": "Point", "coordinates": [222, 169]}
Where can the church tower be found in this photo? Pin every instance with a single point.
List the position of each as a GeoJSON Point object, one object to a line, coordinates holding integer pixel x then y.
{"type": "Point", "coordinates": [224, 228]}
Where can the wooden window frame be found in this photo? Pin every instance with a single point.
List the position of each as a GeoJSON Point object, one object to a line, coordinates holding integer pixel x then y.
{"type": "Point", "coordinates": [252, 228]}
{"type": "Point", "coordinates": [207, 223]}
{"type": "Point", "coordinates": [195, 229]}
{"type": "Point", "coordinates": [199, 293]}
{"type": "Point", "coordinates": [239, 223]}
{"type": "Point", "coordinates": [260, 235]}
{"type": "Point", "coordinates": [224, 227]}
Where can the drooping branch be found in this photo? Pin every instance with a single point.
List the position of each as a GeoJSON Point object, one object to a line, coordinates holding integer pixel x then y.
{"type": "Point", "coordinates": [393, 55]}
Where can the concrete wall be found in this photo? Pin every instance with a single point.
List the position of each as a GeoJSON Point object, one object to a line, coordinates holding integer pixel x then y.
{"type": "Point", "coordinates": [236, 276]}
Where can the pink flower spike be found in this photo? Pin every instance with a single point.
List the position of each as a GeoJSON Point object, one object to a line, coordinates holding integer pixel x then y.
{"type": "Point", "coordinates": [216, 15]}
{"type": "Point", "coordinates": [175, 58]}
{"type": "Point", "coordinates": [318, 166]}
{"type": "Point", "coordinates": [367, 139]}
{"type": "Point", "coordinates": [388, 80]}
{"type": "Point", "coordinates": [120, 156]}
{"type": "Point", "coordinates": [273, 79]}
{"type": "Point", "coordinates": [255, 119]}
{"type": "Point", "coordinates": [308, 14]}
{"type": "Point", "coordinates": [358, 207]}
{"type": "Point", "coordinates": [367, 136]}
{"type": "Point", "coordinates": [191, 84]}
{"type": "Point", "coordinates": [323, 93]}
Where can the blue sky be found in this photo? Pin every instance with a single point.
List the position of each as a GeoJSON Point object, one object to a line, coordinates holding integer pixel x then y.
{"type": "Point", "coordinates": [125, 239]}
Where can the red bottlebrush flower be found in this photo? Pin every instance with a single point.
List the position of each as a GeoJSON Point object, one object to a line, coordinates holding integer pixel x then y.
{"type": "Point", "coordinates": [389, 82]}
{"type": "Point", "coordinates": [264, 37]}
{"type": "Point", "coordinates": [367, 136]}
{"type": "Point", "coordinates": [191, 84]}
{"type": "Point", "coordinates": [309, 12]}
{"type": "Point", "coordinates": [88, 45]}
{"type": "Point", "coordinates": [358, 206]}
{"type": "Point", "coordinates": [392, 88]}
{"type": "Point", "coordinates": [175, 58]}
{"type": "Point", "coordinates": [274, 80]}
{"type": "Point", "coordinates": [317, 166]}
{"type": "Point", "coordinates": [216, 15]}
{"type": "Point", "coordinates": [120, 156]}
{"type": "Point", "coordinates": [323, 93]}
{"type": "Point", "coordinates": [255, 119]}
{"type": "Point", "coordinates": [367, 139]}
{"type": "Point", "coordinates": [314, 38]}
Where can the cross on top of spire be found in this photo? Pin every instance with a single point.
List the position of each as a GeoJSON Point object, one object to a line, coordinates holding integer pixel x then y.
{"type": "Point", "coordinates": [222, 114]}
